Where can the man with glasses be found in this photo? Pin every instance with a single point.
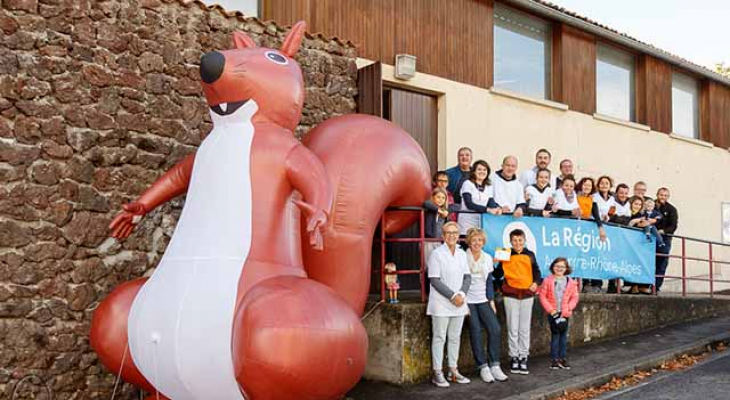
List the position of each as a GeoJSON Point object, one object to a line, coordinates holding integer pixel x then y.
{"type": "Point", "coordinates": [449, 276]}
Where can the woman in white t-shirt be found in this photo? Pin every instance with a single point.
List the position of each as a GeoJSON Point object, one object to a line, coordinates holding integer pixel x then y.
{"type": "Point", "coordinates": [566, 199]}
{"type": "Point", "coordinates": [449, 276]}
{"type": "Point", "coordinates": [482, 310]}
{"type": "Point", "coordinates": [477, 195]}
{"type": "Point", "coordinates": [604, 199]}
{"type": "Point", "coordinates": [539, 195]}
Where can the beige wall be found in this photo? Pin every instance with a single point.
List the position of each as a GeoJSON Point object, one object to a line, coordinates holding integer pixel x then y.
{"type": "Point", "coordinates": [497, 124]}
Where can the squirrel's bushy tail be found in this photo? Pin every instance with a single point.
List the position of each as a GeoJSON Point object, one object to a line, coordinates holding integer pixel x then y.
{"type": "Point", "coordinates": [372, 164]}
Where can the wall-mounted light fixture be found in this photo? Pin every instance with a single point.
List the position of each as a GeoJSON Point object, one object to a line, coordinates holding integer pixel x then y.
{"type": "Point", "coordinates": [405, 66]}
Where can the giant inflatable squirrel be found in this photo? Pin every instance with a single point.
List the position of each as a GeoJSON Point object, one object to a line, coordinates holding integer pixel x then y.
{"type": "Point", "coordinates": [260, 291]}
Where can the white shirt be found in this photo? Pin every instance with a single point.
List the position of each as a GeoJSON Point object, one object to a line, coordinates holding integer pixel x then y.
{"type": "Point", "coordinates": [507, 193]}
{"type": "Point", "coordinates": [451, 268]}
{"type": "Point", "coordinates": [623, 210]}
{"type": "Point", "coordinates": [529, 177]}
{"type": "Point", "coordinates": [480, 198]}
{"type": "Point", "coordinates": [603, 205]}
{"type": "Point", "coordinates": [563, 203]}
{"type": "Point", "coordinates": [480, 270]}
{"type": "Point", "coordinates": [538, 200]}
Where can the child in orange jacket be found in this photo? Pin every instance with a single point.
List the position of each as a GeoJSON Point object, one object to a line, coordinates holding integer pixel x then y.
{"type": "Point", "coordinates": [559, 296]}
{"type": "Point", "coordinates": [521, 279]}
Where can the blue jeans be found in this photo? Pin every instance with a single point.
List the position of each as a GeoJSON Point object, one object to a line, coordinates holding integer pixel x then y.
{"type": "Point", "coordinates": [651, 231]}
{"type": "Point", "coordinates": [482, 315]}
{"type": "Point", "coordinates": [558, 341]}
{"type": "Point", "coordinates": [662, 262]}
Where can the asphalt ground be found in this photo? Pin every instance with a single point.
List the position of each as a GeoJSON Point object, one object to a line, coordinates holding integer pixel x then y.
{"type": "Point", "coordinates": [708, 380]}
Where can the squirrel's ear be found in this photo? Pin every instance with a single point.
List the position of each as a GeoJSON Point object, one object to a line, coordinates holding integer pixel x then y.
{"type": "Point", "coordinates": [242, 41]}
{"type": "Point", "coordinates": [293, 39]}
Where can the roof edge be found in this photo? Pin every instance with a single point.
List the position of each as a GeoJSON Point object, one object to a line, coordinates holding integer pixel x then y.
{"type": "Point", "coordinates": [545, 9]}
{"type": "Point", "coordinates": [242, 17]}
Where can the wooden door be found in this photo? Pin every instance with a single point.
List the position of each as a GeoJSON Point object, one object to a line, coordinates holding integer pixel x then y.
{"type": "Point", "coordinates": [417, 114]}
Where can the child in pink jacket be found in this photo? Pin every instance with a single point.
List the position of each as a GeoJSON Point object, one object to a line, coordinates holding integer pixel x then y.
{"type": "Point", "coordinates": [559, 295]}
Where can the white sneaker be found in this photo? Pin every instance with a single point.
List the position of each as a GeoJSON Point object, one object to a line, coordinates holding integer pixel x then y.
{"type": "Point", "coordinates": [439, 379]}
{"type": "Point", "coordinates": [456, 377]}
{"type": "Point", "coordinates": [486, 375]}
{"type": "Point", "coordinates": [497, 373]}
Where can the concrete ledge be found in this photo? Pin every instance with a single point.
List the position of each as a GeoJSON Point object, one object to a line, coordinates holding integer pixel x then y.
{"type": "Point", "coordinates": [613, 120]}
{"type": "Point", "coordinates": [400, 335]}
{"type": "Point", "coordinates": [528, 99]}
{"type": "Point", "coordinates": [691, 140]}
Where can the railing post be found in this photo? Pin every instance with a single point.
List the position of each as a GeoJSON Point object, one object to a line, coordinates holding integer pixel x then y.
{"type": "Point", "coordinates": [710, 262]}
{"type": "Point", "coordinates": [422, 275]}
{"type": "Point", "coordinates": [382, 257]}
{"type": "Point", "coordinates": [684, 268]}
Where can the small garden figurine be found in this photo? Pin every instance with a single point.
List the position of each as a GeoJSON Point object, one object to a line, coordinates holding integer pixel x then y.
{"type": "Point", "coordinates": [391, 282]}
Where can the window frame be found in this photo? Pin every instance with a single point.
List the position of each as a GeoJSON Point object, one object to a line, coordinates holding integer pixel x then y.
{"type": "Point", "coordinates": [634, 76]}
{"type": "Point", "coordinates": [548, 65]}
{"type": "Point", "coordinates": [696, 104]}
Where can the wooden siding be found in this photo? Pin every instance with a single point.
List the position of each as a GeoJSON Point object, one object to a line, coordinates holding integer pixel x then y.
{"type": "Point", "coordinates": [654, 93]}
{"type": "Point", "coordinates": [574, 68]}
{"type": "Point", "coordinates": [455, 40]}
{"type": "Point", "coordinates": [288, 12]}
{"type": "Point", "coordinates": [451, 39]}
{"type": "Point", "coordinates": [715, 113]}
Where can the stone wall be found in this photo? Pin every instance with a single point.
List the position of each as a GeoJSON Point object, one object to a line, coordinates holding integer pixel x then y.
{"type": "Point", "coordinates": [97, 99]}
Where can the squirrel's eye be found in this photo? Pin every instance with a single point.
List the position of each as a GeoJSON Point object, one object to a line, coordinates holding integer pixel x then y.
{"type": "Point", "coordinates": [276, 58]}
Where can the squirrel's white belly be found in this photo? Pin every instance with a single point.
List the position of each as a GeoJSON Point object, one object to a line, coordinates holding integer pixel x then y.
{"type": "Point", "coordinates": [180, 324]}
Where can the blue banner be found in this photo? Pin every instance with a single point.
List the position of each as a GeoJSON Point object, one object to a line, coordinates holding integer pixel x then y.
{"type": "Point", "coordinates": [626, 253]}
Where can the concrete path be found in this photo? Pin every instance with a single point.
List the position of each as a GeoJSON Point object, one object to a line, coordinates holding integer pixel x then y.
{"type": "Point", "coordinates": [708, 380]}
{"type": "Point", "coordinates": [592, 365]}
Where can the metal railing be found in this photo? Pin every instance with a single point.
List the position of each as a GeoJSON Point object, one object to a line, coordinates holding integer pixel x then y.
{"type": "Point", "coordinates": [421, 271]}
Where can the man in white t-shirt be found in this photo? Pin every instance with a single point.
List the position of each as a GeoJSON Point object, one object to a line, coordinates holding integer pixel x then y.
{"type": "Point", "coordinates": [508, 191]}
{"type": "Point", "coordinates": [621, 216]}
{"type": "Point", "coordinates": [542, 161]}
{"type": "Point", "coordinates": [622, 213]}
{"type": "Point", "coordinates": [448, 273]}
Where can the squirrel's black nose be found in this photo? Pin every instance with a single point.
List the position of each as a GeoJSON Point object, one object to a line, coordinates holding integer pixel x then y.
{"type": "Point", "coordinates": [211, 66]}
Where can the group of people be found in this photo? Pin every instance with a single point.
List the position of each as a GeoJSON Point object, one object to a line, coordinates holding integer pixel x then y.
{"type": "Point", "coordinates": [468, 189]}
{"type": "Point", "coordinates": [462, 284]}
{"type": "Point", "coordinates": [463, 280]}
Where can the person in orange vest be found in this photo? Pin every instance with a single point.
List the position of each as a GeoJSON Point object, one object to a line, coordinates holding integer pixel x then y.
{"type": "Point", "coordinates": [522, 276]}
{"type": "Point", "coordinates": [589, 210]}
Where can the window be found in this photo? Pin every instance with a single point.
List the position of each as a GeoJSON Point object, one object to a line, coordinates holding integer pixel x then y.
{"type": "Point", "coordinates": [685, 109]}
{"type": "Point", "coordinates": [521, 52]}
{"type": "Point", "coordinates": [615, 83]}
